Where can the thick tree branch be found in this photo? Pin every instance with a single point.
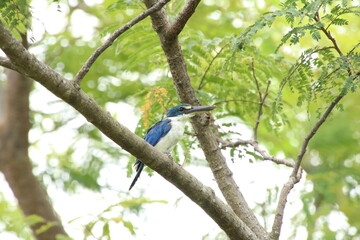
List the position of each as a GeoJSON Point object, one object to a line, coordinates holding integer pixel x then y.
{"type": "Point", "coordinates": [204, 132]}
{"type": "Point", "coordinates": [5, 62]}
{"type": "Point", "coordinates": [14, 158]}
{"type": "Point", "coordinates": [188, 184]}
{"type": "Point", "coordinates": [178, 25]}
{"type": "Point", "coordinates": [86, 67]}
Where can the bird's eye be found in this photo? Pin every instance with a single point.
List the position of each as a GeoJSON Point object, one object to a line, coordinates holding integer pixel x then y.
{"type": "Point", "coordinates": [181, 109]}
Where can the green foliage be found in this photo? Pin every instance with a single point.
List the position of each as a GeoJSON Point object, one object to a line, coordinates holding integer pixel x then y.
{"type": "Point", "coordinates": [12, 220]}
{"type": "Point", "coordinates": [15, 13]}
{"type": "Point", "coordinates": [114, 215]}
{"type": "Point", "coordinates": [287, 46]}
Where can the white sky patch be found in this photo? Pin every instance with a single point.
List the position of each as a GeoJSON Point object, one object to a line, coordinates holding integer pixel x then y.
{"type": "Point", "coordinates": [50, 18]}
{"type": "Point", "coordinates": [215, 15]}
{"type": "Point", "coordinates": [261, 4]}
{"type": "Point", "coordinates": [92, 2]}
{"type": "Point", "coordinates": [83, 25]}
{"type": "Point", "coordinates": [337, 221]}
{"type": "Point", "coordinates": [237, 23]}
{"type": "Point", "coordinates": [248, 3]}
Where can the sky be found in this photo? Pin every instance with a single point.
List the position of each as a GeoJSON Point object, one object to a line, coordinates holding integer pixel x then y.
{"type": "Point", "coordinates": [179, 218]}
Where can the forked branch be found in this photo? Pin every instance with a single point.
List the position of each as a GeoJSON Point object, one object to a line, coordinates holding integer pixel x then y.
{"type": "Point", "coordinates": [5, 62]}
{"type": "Point", "coordinates": [178, 25]}
{"type": "Point", "coordinates": [297, 170]}
{"type": "Point", "coordinates": [262, 98]}
{"type": "Point", "coordinates": [86, 67]}
{"type": "Point", "coordinates": [264, 154]}
{"type": "Point", "coordinates": [205, 135]}
{"type": "Point", "coordinates": [205, 197]}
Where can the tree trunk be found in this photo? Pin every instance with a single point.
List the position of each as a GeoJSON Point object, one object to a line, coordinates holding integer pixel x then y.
{"type": "Point", "coordinates": [14, 160]}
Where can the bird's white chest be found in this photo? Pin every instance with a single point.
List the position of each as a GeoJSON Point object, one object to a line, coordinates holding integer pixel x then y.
{"type": "Point", "coordinates": [175, 134]}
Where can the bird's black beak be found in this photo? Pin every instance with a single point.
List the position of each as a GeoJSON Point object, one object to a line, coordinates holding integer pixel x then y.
{"type": "Point", "coordinates": [197, 109]}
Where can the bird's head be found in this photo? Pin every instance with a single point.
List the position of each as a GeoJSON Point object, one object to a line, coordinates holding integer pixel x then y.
{"type": "Point", "coordinates": [186, 109]}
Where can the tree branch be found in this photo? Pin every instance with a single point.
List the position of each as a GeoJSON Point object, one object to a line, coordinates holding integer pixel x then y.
{"type": "Point", "coordinates": [258, 149]}
{"type": "Point", "coordinates": [312, 133]}
{"type": "Point", "coordinates": [332, 39]}
{"type": "Point", "coordinates": [279, 215]}
{"type": "Point", "coordinates": [235, 100]}
{"type": "Point", "coordinates": [178, 25]}
{"type": "Point", "coordinates": [261, 98]}
{"type": "Point", "coordinates": [187, 183]}
{"type": "Point", "coordinates": [205, 135]}
{"type": "Point", "coordinates": [298, 64]}
{"type": "Point", "coordinates": [262, 102]}
{"type": "Point", "coordinates": [86, 67]}
{"type": "Point", "coordinates": [201, 84]}
{"type": "Point", "coordinates": [328, 35]}
{"type": "Point", "coordinates": [5, 62]}
{"type": "Point", "coordinates": [15, 163]}
{"type": "Point", "coordinates": [297, 170]}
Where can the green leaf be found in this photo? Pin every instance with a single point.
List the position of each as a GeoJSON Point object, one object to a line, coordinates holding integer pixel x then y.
{"type": "Point", "coordinates": [106, 230]}
{"type": "Point", "coordinates": [129, 226]}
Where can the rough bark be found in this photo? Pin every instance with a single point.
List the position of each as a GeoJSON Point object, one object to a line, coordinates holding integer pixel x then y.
{"type": "Point", "coordinates": [204, 133]}
{"type": "Point", "coordinates": [14, 159]}
{"type": "Point", "coordinates": [27, 64]}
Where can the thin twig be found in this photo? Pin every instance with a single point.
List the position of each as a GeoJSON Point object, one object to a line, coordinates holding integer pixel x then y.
{"type": "Point", "coordinates": [297, 65]}
{"type": "Point", "coordinates": [328, 35]}
{"type": "Point", "coordinates": [353, 49]}
{"type": "Point", "coordinates": [234, 100]}
{"type": "Point", "coordinates": [201, 84]}
{"type": "Point", "coordinates": [85, 69]}
{"type": "Point", "coordinates": [297, 170]}
{"type": "Point", "coordinates": [312, 133]}
{"type": "Point", "coordinates": [256, 80]}
{"type": "Point", "coordinates": [261, 98]}
{"type": "Point", "coordinates": [178, 25]}
{"type": "Point", "coordinates": [265, 155]}
{"type": "Point", "coordinates": [260, 110]}
{"type": "Point", "coordinates": [333, 40]}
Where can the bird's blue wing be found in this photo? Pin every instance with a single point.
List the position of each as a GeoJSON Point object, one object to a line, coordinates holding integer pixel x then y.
{"type": "Point", "coordinates": [157, 131]}
{"type": "Point", "coordinates": [153, 136]}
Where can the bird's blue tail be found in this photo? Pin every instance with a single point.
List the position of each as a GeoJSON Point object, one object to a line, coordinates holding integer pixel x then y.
{"type": "Point", "coordinates": [139, 168]}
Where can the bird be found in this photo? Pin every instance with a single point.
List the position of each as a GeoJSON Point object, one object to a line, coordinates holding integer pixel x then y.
{"type": "Point", "coordinates": [165, 134]}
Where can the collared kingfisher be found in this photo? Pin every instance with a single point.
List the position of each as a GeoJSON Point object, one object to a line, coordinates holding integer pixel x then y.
{"type": "Point", "coordinates": [165, 134]}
